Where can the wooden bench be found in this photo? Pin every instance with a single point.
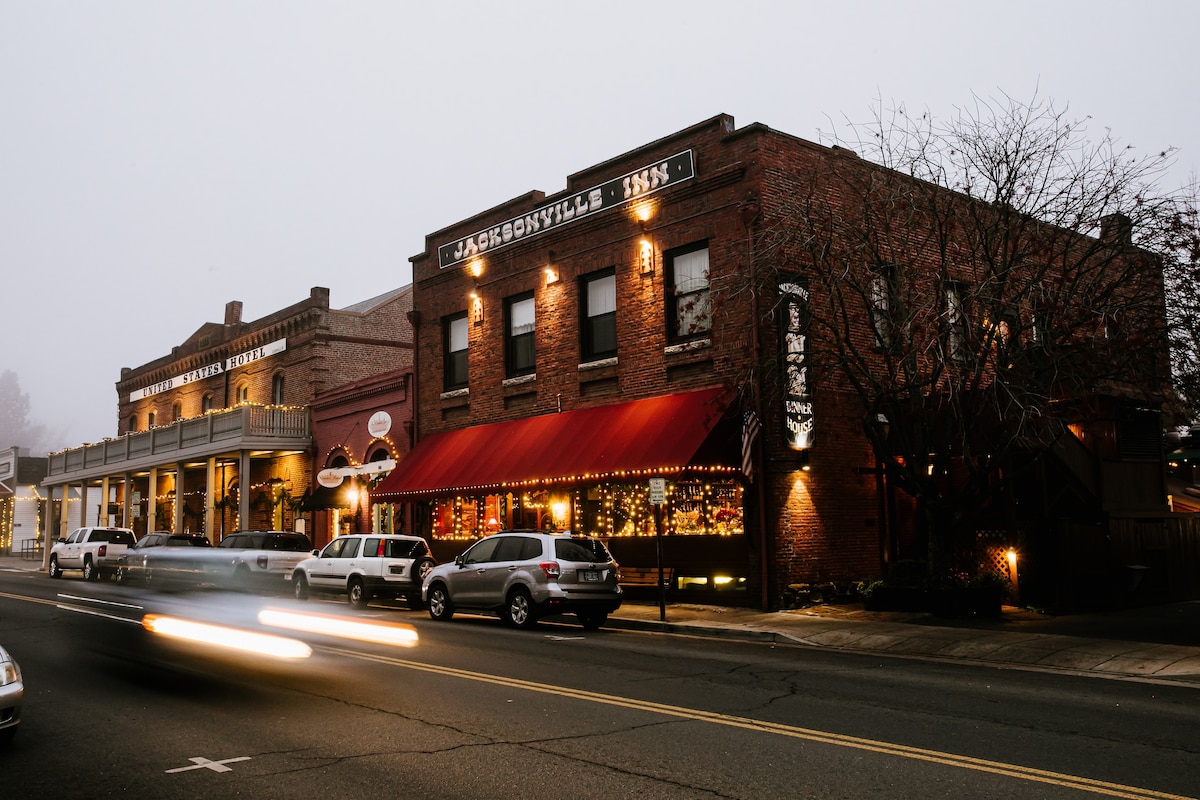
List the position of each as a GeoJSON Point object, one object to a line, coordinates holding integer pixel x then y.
{"type": "Point", "coordinates": [646, 576]}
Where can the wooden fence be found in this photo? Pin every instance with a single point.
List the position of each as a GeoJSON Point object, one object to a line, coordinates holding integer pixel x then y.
{"type": "Point", "coordinates": [1129, 561]}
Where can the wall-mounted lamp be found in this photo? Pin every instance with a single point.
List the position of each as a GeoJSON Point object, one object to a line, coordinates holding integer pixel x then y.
{"type": "Point", "coordinates": [551, 275]}
{"type": "Point", "coordinates": [475, 268]}
{"type": "Point", "coordinates": [646, 256]}
{"type": "Point", "coordinates": [644, 212]}
{"type": "Point", "coordinates": [476, 308]}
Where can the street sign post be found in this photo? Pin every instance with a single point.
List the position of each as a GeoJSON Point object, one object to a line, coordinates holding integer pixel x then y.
{"type": "Point", "coordinates": [658, 496]}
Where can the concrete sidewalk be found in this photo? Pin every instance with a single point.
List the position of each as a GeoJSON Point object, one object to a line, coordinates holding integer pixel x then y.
{"type": "Point", "coordinates": [1161, 642]}
{"type": "Point", "coordinates": [1156, 642]}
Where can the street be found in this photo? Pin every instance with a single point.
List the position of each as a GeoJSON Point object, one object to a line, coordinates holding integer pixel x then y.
{"type": "Point", "coordinates": [478, 710]}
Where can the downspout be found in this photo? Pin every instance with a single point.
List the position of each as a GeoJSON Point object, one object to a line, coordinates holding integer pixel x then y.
{"type": "Point", "coordinates": [414, 319]}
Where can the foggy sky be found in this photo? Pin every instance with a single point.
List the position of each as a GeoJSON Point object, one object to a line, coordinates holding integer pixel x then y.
{"type": "Point", "coordinates": [158, 160]}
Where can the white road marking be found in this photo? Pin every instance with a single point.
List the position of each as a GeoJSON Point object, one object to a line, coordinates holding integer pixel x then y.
{"type": "Point", "coordinates": [200, 762]}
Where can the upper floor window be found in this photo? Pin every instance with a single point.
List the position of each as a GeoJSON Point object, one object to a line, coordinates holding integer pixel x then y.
{"type": "Point", "coordinates": [518, 345]}
{"type": "Point", "coordinates": [689, 304]}
{"type": "Point", "coordinates": [277, 389]}
{"type": "Point", "coordinates": [132, 423]}
{"type": "Point", "coordinates": [176, 411]}
{"type": "Point", "coordinates": [598, 328]}
{"type": "Point", "coordinates": [243, 393]}
{"type": "Point", "coordinates": [150, 420]}
{"type": "Point", "coordinates": [956, 337]}
{"type": "Point", "coordinates": [883, 307]}
{"type": "Point", "coordinates": [454, 335]}
{"type": "Point", "coordinates": [206, 402]}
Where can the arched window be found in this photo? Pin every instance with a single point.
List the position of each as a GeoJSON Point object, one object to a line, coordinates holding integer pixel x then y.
{"type": "Point", "coordinates": [150, 420]}
{"type": "Point", "coordinates": [132, 423]}
{"type": "Point", "coordinates": [176, 411]}
{"type": "Point", "coordinates": [206, 402]}
{"type": "Point", "coordinates": [243, 393]}
{"type": "Point", "coordinates": [277, 389]}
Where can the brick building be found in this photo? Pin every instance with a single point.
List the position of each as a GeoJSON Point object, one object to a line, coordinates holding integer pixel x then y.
{"type": "Point", "coordinates": [360, 432]}
{"type": "Point", "coordinates": [217, 435]}
{"type": "Point", "coordinates": [570, 348]}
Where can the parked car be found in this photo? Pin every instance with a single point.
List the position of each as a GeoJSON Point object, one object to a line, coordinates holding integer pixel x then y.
{"type": "Point", "coordinates": [363, 566]}
{"type": "Point", "coordinates": [161, 554]}
{"type": "Point", "coordinates": [246, 559]}
{"type": "Point", "coordinates": [525, 575]}
{"type": "Point", "coordinates": [12, 697]}
{"type": "Point", "coordinates": [93, 549]}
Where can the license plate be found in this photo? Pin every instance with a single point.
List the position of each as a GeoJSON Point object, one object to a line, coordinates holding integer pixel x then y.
{"type": "Point", "coordinates": [589, 575]}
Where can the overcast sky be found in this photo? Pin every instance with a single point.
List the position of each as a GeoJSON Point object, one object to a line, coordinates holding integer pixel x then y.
{"type": "Point", "coordinates": [159, 159]}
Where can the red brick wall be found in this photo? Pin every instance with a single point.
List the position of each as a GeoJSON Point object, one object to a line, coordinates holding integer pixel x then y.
{"type": "Point", "coordinates": [824, 522]}
{"type": "Point", "coordinates": [325, 349]}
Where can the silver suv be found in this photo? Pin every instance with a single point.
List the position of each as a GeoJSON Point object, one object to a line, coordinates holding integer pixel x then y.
{"type": "Point", "coordinates": [366, 565]}
{"type": "Point", "coordinates": [524, 575]}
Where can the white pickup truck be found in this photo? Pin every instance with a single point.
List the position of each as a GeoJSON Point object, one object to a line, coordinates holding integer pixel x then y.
{"type": "Point", "coordinates": [94, 550]}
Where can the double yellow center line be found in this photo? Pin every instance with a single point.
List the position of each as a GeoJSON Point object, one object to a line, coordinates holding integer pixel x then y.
{"type": "Point", "coordinates": [808, 734]}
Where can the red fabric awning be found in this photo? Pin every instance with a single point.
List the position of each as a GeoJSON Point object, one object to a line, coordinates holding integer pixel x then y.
{"type": "Point", "coordinates": [661, 433]}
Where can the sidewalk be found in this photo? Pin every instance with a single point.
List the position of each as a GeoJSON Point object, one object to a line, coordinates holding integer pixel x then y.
{"type": "Point", "coordinates": [1161, 642]}
{"type": "Point", "coordinates": [1157, 642]}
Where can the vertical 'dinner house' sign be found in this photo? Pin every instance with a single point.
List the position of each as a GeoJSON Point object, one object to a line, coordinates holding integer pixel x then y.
{"type": "Point", "coordinates": [798, 412]}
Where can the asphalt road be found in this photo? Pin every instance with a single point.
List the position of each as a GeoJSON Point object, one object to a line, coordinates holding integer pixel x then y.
{"type": "Point", "coordinates": [476, 710]}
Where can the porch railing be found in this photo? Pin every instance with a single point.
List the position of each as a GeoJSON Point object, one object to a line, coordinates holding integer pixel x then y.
{"type": "Point", "coordinates": [260, 424]}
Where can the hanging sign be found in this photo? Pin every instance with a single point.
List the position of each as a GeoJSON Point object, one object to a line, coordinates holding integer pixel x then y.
{"type": "Point", "coordinates": [330, 478]}
{"type": "Point", "coordinates": [658, 491]}
{"type": "Point", "coordinates": [379, 424]}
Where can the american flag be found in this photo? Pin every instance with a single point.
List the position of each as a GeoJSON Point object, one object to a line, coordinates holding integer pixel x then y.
{"type": "Point", "coordinates": [750, 428]}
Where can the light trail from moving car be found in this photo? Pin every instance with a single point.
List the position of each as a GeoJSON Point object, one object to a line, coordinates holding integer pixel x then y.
{"type": "Point", "coordinates": [375, 632]}
{"type": "Point", "coordinates": [244, 641]}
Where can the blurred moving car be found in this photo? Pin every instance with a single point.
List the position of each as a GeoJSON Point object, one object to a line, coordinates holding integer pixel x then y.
{"type": "Point", "coordinates": [525, 575]}
{"type": "Point", "coordinates": [246, 559]}
{"type": "Point", "coordinates": [364, 566]}
{"type": "Point", "coordinates": [12, 697]}
{"type": "Point", "coordinates": [161, 554]}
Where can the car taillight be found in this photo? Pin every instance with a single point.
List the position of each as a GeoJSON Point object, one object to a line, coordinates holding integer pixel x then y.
{"type": "Point", "coordinates": [551, 569]}
{"type": "Point", "coordinates": [103, 549]}
{"type": "Point", "coordinates": [379, 551]}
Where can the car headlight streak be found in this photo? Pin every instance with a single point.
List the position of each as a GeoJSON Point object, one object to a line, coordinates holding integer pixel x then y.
{"type": "Point", "coordinates": [231, 638]}
{"type": "Point", "coordinates": [342, 627]}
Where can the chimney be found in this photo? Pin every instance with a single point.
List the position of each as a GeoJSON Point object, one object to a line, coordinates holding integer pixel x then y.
{"type": "Point", "coordinates": [1116, 229]}
{"type": "Point", "coordinates": [233, 312]}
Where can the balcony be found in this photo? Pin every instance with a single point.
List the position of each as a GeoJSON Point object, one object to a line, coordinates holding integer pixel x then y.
{"type": "Point", "coordinates": [218, 433]}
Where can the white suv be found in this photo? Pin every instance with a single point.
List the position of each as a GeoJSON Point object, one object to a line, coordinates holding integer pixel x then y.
{"type": "Point", "coordinates": [365, 565]}
{"type": "Point", "coordinates": [524, 575]}
{"type": "Point", "coordinates": [245, 559]}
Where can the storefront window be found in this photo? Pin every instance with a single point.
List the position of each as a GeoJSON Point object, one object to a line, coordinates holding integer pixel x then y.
{"type": "Point", "coordinates": [693, 508]}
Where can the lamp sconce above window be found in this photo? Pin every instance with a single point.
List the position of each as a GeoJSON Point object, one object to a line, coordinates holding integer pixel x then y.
{"type": "Point", "coordinates": [476, 308]}
{"type": "Point", "coordinates": [551, 270]}
{"type": "Point", "coordinates": [646, 256]}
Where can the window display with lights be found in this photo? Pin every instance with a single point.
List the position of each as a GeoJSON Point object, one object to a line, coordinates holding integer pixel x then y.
{"type": "Point", "coordinates": [694, 507]}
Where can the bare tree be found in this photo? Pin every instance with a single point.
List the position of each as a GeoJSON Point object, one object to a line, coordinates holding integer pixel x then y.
{"type": "Point", "coordinates": [1180, 246]}
{"type": "Point", "coordinates": [16, 429]}
{"type": "Point", "coordinates": [976, 287]}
